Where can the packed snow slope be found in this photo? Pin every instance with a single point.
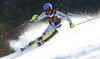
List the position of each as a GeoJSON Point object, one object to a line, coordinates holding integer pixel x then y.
{"type": "Point", "coordinates": [81, 42]}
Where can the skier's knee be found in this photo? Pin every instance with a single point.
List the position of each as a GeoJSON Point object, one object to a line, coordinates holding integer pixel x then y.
{"type": "Point", "coordinates": [32, 42]}
{"type": "Point", "coordinates": [39, 38]}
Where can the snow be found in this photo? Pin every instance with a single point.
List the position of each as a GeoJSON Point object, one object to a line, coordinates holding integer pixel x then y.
{"type": "Point", "coordinates": [81, 42]}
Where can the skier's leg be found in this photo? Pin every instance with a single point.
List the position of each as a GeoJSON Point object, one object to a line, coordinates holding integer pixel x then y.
{"type": "Point", "coordinates": [47, 34]}
{"type": "Point", "coordinates": [31, 44]}
{"type": "Point", "coordinates": [50, 35]}
{"type": "Point", "coordinates": [52, 30]}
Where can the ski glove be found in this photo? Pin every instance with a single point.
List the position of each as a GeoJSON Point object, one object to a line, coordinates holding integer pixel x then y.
{"type": "Point", "coordinates": [34, 17]}
{"type": "Point", "coordinates": [72, 25]}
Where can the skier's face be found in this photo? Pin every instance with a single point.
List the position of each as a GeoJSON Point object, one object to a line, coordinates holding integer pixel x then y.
{"type": "Point", "coordinates": [48, 12]}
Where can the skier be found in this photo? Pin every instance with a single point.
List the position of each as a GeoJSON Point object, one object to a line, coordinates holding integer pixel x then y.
{"type": "Point", "coordinates": [54, 18]}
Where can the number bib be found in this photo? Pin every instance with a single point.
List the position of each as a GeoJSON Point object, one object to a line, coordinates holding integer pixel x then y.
{"type": "Point", "coordinates": [53, 19]}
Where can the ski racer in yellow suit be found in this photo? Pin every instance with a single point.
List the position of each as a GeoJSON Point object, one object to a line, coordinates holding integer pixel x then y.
{"type": "Point", "coordinates": [54, 18]}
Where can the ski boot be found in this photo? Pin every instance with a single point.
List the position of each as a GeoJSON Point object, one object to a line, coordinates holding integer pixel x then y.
{"type": "Point", "coordinates": [40, 43]}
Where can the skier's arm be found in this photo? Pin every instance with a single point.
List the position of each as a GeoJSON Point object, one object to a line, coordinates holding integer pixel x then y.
{"type": "Point", "coordinates": [40, 17]}
{"type": "Point", "coordinates": [62, 15]}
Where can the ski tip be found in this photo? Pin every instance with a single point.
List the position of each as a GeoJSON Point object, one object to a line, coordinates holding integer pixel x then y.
{"type": "Point", "coordinates": [22, 49]}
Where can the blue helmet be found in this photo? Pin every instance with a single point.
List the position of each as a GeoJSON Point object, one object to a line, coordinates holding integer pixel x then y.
{"type": "Point", "coordinates": [47, 7]}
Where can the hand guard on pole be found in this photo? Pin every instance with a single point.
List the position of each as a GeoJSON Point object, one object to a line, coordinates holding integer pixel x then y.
{"type": "Point", "coordinates": [34, 17]}
{"type": "Point", "coordinates": [72, 25]}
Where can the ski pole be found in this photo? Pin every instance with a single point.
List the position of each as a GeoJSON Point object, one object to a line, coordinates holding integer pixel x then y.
{"type": "Point", "coordinates": [33, 18]}
{"type": "Point", "coordinates": [78, 16]}
{"type": "Point", "coordinates": [87, 21]}
{"type": "Point", "coordinates": [12, 30]}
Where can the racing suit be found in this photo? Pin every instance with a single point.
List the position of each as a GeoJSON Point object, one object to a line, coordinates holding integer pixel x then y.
{"type": "Point", "coordinates": [54, 22]}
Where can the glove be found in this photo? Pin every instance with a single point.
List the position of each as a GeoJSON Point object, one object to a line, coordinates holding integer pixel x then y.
{"type": "Point", "coordinates": [34, 17]}
{"type": "Point", "coordinates": [72, 25]}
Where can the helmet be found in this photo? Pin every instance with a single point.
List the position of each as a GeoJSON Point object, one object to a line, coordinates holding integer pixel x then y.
{"type": "Point", "coordinates": [47, 7]}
